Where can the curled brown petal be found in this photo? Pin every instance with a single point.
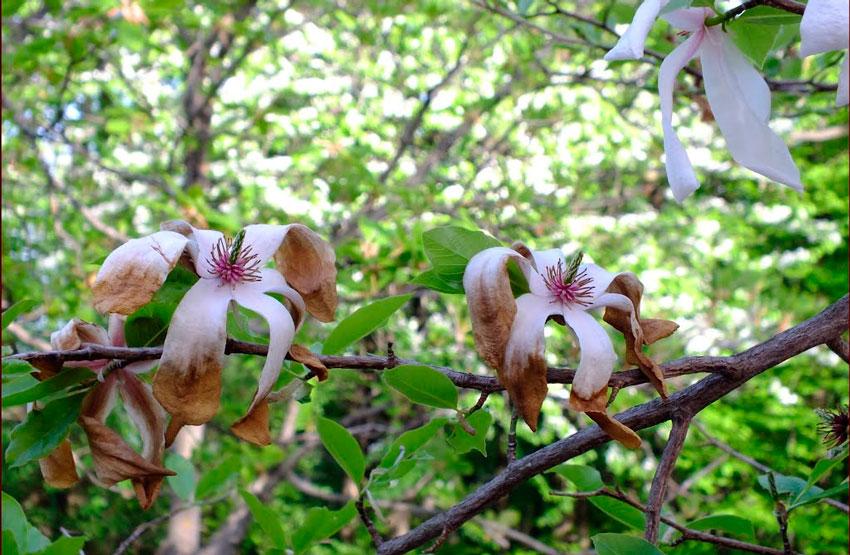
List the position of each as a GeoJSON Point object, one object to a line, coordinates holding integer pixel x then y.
{"type": "Point", "coordinates": [58, 468]}
{"type": "Point", "coordinates": [254, 426]}
{"type": "Point", "coordinates": [308, 358]}
{"type": "Point", "coordinates": [308, 264]}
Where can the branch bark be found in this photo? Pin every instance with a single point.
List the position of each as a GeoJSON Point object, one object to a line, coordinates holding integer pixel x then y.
{"type": "Point", "coordinates": [658, 490]}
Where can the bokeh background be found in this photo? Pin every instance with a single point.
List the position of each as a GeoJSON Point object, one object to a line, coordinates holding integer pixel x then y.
{"type": "Point", "coordinates": [373, 122]}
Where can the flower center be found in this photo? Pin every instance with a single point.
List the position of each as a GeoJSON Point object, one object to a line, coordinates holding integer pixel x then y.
{"type": "Point", "coordinates": [569, 285]}
{"type": "Point", "coordinates": [233, 262]}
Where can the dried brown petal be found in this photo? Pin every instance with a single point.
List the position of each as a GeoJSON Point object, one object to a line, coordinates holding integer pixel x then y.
{"type": "Point", "coordinates": [254, 426]}
{"type": "Point", "coordinates": [58, 468]}
{"type": "Point", "coordinates": [134, 272]}
{"type": "Point", "coordinates": [617, 430]}
{"type": "Point", "coordinates": [75, 333]}
{"type": "Point", "coordinates": [308, 358]}
{"type": "Point", "coordinates": [309, 265]}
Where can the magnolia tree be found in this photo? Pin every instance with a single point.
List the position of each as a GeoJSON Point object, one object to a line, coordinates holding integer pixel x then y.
{"type": "Point", "coordinates": [448, 347]}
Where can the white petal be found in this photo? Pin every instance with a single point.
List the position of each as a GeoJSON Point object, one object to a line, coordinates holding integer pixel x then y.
{"type": "Point", "coordinates": [281, 332]}
{"type": "Point", "coordinates": [597, 354]}
{"type": "Point", "coordinates": [824, 26]}
{"type": "Point", "coordinates": [630, 46]}
{"type": "Point", "coordinates": [526, 339]}
{"type": "Point", "coordinates": [115, 327]}
{"type": "Point", "coordinates": [265, 239]}
{"type": "Point", "coordinates": [201, 243]}
{"type": "Point", "coordinates": [841, 96]}
{"type": "Point", "coordinates": [691, 19]}
{"type": "Point", "coordinates": [600, 278]}
{"type": "Point", "coordinates": [680, 173]}
{"type": "Point", "coordinates": [543, 260]}
{"type": "Point", "coordinates": [273, 282]}
{"type": "Point", "coordinates": [750, 140]}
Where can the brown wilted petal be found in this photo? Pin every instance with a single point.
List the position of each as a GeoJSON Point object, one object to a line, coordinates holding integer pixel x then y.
{"type": "Point", "coordinates": [309, 265]}
{"type": "Point", "coordinates": [615, 429]}
{"type": "Point", "coordinates": [149, 418]}
{"type": "Point", "coordinates": [58, 468]}
{"type": "Point", "coordinates": [254, 426]}
{"type": "Point", "coordinates": [629, 285]}
{"type": "Point", "coordinates": [101, 399]}
{"type": "Point", "coordinates": [655, 329]}
{"type": "Point", "coordinates": [75, 333]}
{"type": "Point", "coordinates": [115, 461]}
{"type": "Point", "coordinates": [134, 272]}
{"type": "Point", "coordinates": [308, 358]}
{"type": "Point", "coordinates": [188, 382]}
{"type": "Point", "coordinates": [492, 307]}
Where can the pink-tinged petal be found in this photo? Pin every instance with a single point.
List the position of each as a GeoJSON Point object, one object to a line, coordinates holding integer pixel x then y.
{"type": "Point", "coordinates": [491, 303]}
{"type": "Point", "coordinates": [597, 354]}
{"type": "Point", "coordinates": [115, 329]}
{"type": "Point", "coordinates": [281, 332]}
{"type": "Point", "coordinates": [101, 399]}
{"type": "Point", "coordinates": [680, 173]}
{"type": "Point", "coordinates": [630, 46]}
{"type": "Point", "coordinates": [824, 27]}
{"type": "Point", "coordinates": [75, 333]}
{"type": "Point", "coordinates": [133, 272]}
{"type": "Point", "coordinates": [842, 96]}
{"type": "Point", "coordinates": [149, 418]}
{"type": "Point", "coordinates": [265, 239]}
{"type": "Point", "coordinates": [750, 140]}
{"type": "Point", "coordinates": [543, 260]}
{"type": "Point", "coordinates": [142, 366]}
{"type": "Point", "coordinates": [690, 19]}
{"type": "Point", "coordinates": [188, 382]}
{"type": "Point", "coordinates": [272, 282]}
{"type": "Point", "coordinates": [524, 370]}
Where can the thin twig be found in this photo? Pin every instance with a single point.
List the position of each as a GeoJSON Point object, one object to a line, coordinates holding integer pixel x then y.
{"type": "Point", "coordinates": [511, 451]}
{"type": "Point", "coordinates": [665, 468]}
{"type": "Point", "coordinates": [780, 513]}
{"type": "Point", "coordinates": [479, 403]}
{"type": "Point", "coordinates": [367, 522]}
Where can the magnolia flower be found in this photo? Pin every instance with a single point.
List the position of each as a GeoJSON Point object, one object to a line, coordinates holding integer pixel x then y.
{"type": "Point", "coordinates": [824, 28]}
{"type": "Point", "coordinates": [188, 382]}
{"type": "Point", "coordinates": [114, 460]}
{"type": "Point", "coordinates": [738, 95]}
{"type": "Point", "coordinates": [509, 332]}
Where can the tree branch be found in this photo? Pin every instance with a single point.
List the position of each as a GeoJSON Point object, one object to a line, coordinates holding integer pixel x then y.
{"type": "Point", "coordinates": [817, 330]}
{"type": "Point", "coordinates": [658, 490]}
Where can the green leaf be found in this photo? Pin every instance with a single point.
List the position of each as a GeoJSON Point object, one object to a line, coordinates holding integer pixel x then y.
{"type": "Point", "coordinates": [449, 250]}
{"type": "Point", "coordinates": [434, 281]}
{"type": "Point", "coordinates": [362, 322]}
{"type": "Point", "coordinates": [822, 467]}
{"type": "Point", "coordinates": [148, 325]}
{"type": "Point", "coordinates": [10, 546]}
{"type": "Point", "coordinates": [674, 5]}
{"type": "Point", "coordinates": [14, 368]}
{"type": "Point", "coordinates": [42, 430]}
{"type": "Point", "coordinates": [812, 496]}
{"type": "Point", "coordinates": [407, 444]}
{"type": "Point", "coordinates": [619, 510]}
{"type": "Point", "coordinates": [265, 517]}
{"type": "Point", "coordinates": [20, 307]}
{"type": "Point", "coordinates": [343, 448]}
{"type": "Point", "coordinates": [727, 523]}
{"type": "Point", "coordinates": [423, 385]}
{"type": "Point", "coordinates": [585, 478]}
{"type": "Point", "coordinates": [18, 384]}
{"type": "Point", "coordinates": [213, 480]}
{"type": "Point", "coordinates": [462, 441]}
{"type": "Point", "coordinates": [622, 544]}
{"type": "Point", "coordinates": [184, 482]}
{"type": "Point", "coordinates": [321, 523]}
{"type": "Point", "coordinates": [765, 15]}
{"type": "Point", "coordinates": [27, 538]}
{"type": "Point", "coordinates": [40, 390]}
{"type": "Point", "coordinates": [65, 546]}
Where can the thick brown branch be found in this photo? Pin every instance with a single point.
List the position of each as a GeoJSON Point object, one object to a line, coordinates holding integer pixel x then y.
{"type": "Point", "coordinates": [748, 364]}
{"type": "Point", "coordinates": [658, 490]}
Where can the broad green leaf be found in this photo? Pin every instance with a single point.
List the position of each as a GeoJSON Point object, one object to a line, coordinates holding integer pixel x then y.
{"type": "Point", "coordinates": [213, 480]}
{"type": "Point", "coordinates": [423, 385]}
{"type": "Point", "coordinates": [19, 384]}
{"type": "Point", "coordinates": [756, 40]}
{"type": "Point", "coordinates": [42, 430]}
{"type": "Point", "coordinates": [410, 441]}
{"type": "Point", "coordinates": [20, 307]}
{"type": "Point", "coordinates": [40, 390]}
{"type": "Point", "coordinates": [268, 520]}
{"type": "Point", "coordinates": [10, 545]}
{"type": "Point", "coordinates": [812, 495]}
{"type": "Point", "coordinates": [623, 544]}
{"type": "Point", "coordinates": [14, 368]}
{"type": "Point", "coordinates": [148, 325]}
{"type": "Point", "coordinates": [822, 467]}
{"type": "Point", "coordinates": [585, 478]}
{"type": "Point", "coordinates": [434, 281]}
{"type": "Point", "coordinates": [64, 546]}
{"type": "Point", "coordinates": [362, 322]}
{"type": "Point", "coordinates": [766, 15]}
{"type": "Point", "coordinates": [450, 248]}
{"type": "Point", "coordinates": [619, 510]}
{"type": "Point", "coordinates": [343, 448]}
{"type": "Point", "coordinates": [184, 482]}
{"type": "Point", "coordinates": [321, 523]}
{"type": "Point", "coordinates": [27, 538]}
{"type": "Point", "coordinates": [784, 484]}
{"type": "Point", "coordinates": [727, 523]}
{"type": "Point", "coordinates": [462, 441]}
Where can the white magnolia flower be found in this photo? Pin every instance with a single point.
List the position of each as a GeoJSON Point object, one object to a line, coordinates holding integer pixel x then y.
{"type": "Point", "coordinates": [509, 333]}
{"type": "Point", "coordinates": [824, 28]}
{"type": "Point", "coordinates": [738, 95]}
{"type": "Point", "coordinates": [188, 382]}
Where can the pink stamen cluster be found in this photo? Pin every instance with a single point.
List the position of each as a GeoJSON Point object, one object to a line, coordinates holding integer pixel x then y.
{"type": "Point", "coordinates": [577, 290]}
{"type": "Point", "coordinates": [234, 263]}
